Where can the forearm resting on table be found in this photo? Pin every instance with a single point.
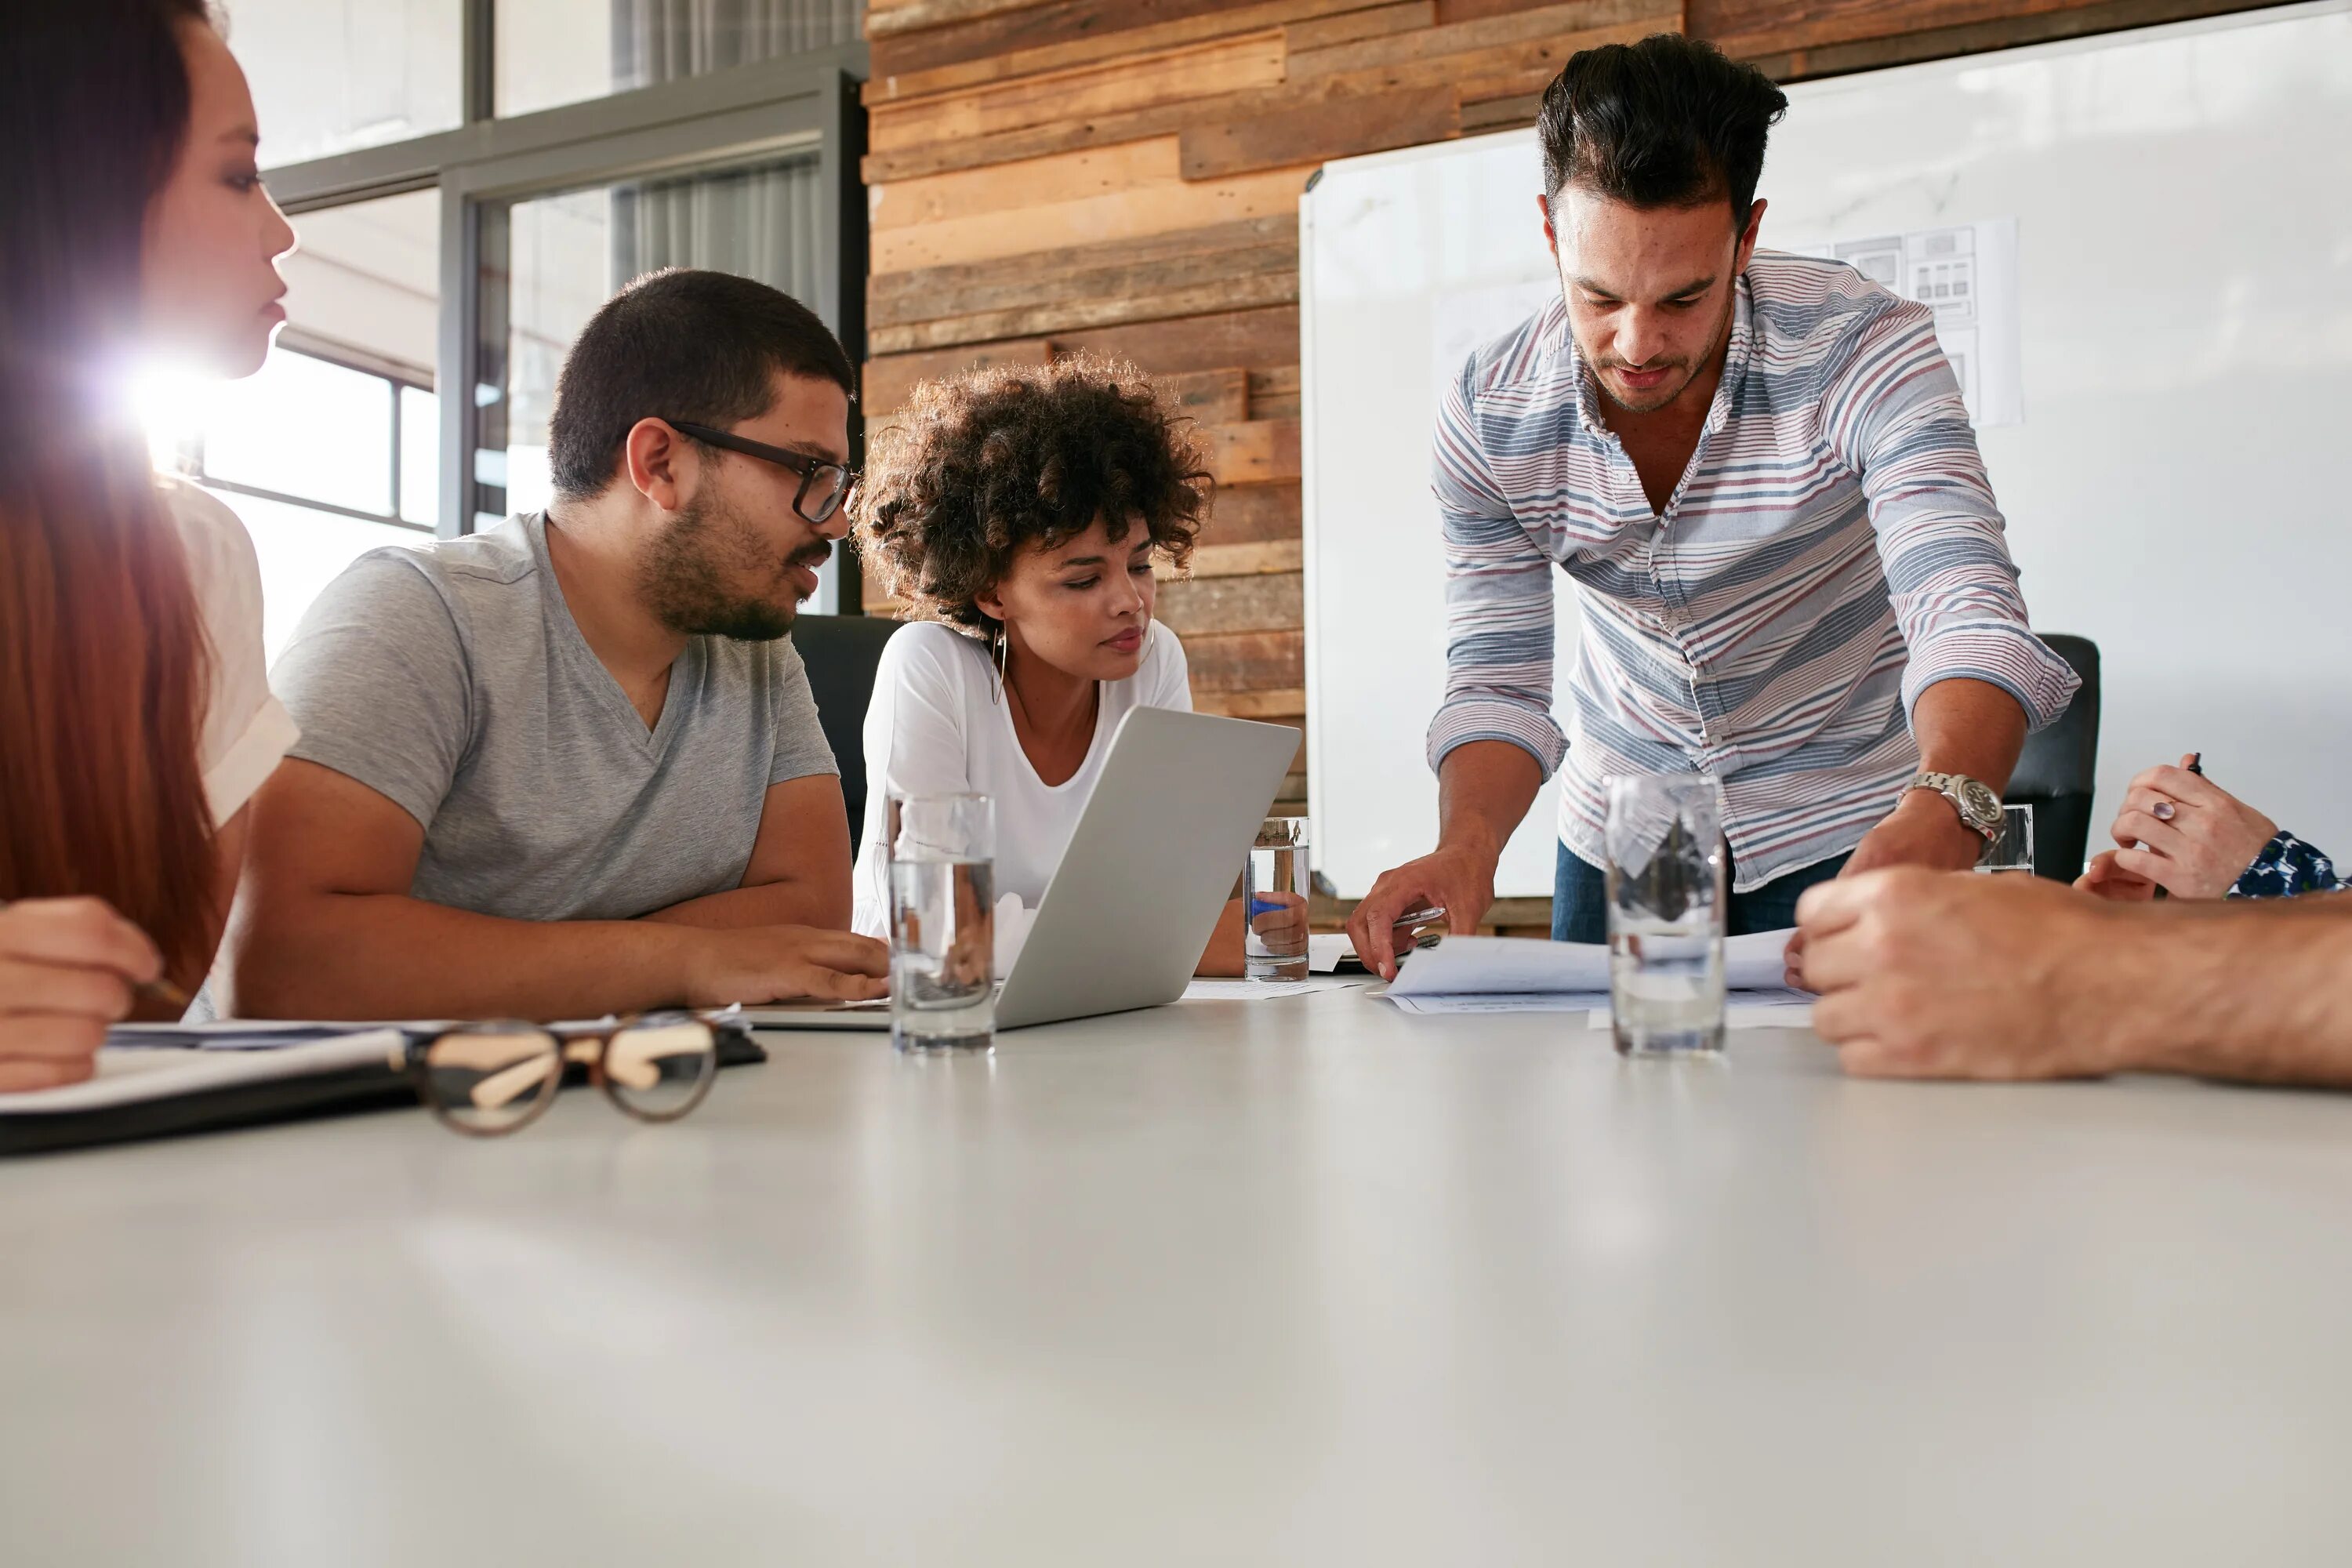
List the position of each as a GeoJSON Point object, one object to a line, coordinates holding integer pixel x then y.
{"type": "Point", "coordinates": [1968, 727]}
{"type": "Point", "coordinates": [789, 901]}
{"type": "Point", "coordinates": [387, 955]}
{"type": "Point", "coordinates": [2225, 991]}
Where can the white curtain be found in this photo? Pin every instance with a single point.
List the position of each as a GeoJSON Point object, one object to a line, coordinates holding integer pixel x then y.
{"type": "Point", "coordinates": [657, 40]}
{"type": "Point", "coordinates": [761, 223]}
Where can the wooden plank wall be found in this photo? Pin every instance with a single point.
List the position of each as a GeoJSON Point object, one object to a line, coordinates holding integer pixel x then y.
{"type": "Point", "coordinates": [1123, 175]}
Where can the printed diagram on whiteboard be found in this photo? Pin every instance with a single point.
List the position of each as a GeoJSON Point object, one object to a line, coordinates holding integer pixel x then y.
{"type": "Point", "coordinates": [1968, 276]}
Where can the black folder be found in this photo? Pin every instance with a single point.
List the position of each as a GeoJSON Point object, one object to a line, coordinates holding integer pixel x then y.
{"type": "Point", "coordinates": [259, 1098]}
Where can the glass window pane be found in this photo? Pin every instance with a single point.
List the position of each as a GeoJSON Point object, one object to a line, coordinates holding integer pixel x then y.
{"type": "Point", "coordinates": [549, 263]}
{"type": "Point", "coordinates": [304, 427]}
{"type": "Point", "coordinates": [560, 258]}
{"type": "Point", "coordinates": [331, 75]}
{"type": "Point", "coordinates": [301, 552]}
{"type": "Point", "coordinates": [365, 287]}
{"type": "Point", "coordinates": [561, 51]}
{"type": "Point", "coordinates": [420, 456]}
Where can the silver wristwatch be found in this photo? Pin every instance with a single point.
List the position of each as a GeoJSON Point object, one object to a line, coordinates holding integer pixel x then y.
{"type": "Point", "coordinates": [1979, 808]}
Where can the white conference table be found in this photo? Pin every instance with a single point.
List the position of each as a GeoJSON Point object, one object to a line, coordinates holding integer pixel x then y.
{"type": "Point", "coordinates": [1303, 1281]}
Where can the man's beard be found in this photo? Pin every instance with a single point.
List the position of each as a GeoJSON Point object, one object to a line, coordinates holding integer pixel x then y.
{"type": "Point", "coordinates": [685, 577]}
{"type": "Point", "coordinates": [1655, 401]}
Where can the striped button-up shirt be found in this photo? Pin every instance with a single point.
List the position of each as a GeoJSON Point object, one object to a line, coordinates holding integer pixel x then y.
{"type": "Point", "coordinates": [1831, 550]}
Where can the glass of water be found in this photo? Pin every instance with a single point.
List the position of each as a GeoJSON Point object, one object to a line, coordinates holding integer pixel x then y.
{"type": "Point", "coordinates": [1666, 906]}
{"type": "Point", "coordinates": [1274, 895]}
{"type": "Point", "coordinates": [2013, 850]}
{"type": "Point", "coordinates": [942, 922]}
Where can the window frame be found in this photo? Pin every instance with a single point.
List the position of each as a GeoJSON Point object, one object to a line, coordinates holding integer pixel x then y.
{"type": "Point", "coordinates": [396, 378]}
{"type": "Point", "coordinates": [746, 114]}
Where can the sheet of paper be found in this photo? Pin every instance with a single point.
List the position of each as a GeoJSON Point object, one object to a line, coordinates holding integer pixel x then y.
{"type": "Point", "coordinates": [1518, 965]}
{"type": "Point", "coordinates": [129, 1074]}
{"type": "Point", "coordinates": [1266, 990]}
{"type": "Point", "coordinates": [1965, 274]}
{"type": "Point", "coordinates": [232, 1034]}
{"type": "Point", "coordinates": [1595, 1002]}
{"type": "Point", "coordinates": [1326, 948]}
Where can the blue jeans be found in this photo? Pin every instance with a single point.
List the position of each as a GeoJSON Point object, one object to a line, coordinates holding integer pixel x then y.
{"type": "Point", "coordinates": [1579, 901]}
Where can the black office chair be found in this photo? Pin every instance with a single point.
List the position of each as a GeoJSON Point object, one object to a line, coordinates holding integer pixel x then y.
{"type": "Point", "coordinates": [2058, 769]}
{"type": "Point", "coordinates": [842, 653]}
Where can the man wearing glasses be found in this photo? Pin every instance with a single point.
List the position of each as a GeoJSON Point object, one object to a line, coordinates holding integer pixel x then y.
{"type": "Point", "coordinates": [571, 765]}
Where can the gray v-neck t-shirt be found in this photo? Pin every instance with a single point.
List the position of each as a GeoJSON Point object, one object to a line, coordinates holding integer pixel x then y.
{"type": "Point", "coordinates": [452, 679]}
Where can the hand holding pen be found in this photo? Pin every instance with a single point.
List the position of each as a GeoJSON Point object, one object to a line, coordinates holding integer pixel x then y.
{"type": "Point", "coordinates": [69, 968]}
{"type": "Point", "coordinates": [2179, 835]}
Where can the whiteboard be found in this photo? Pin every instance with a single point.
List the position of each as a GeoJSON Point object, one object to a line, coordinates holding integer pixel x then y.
{"type": "Point", "coordinates": [2182, 204]}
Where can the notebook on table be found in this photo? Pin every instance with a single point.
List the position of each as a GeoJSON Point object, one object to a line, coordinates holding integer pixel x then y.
{"type": "Point", "coordinates": [160, 1081]}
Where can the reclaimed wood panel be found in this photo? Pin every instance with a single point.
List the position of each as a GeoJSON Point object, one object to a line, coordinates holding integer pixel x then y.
{"type": "Point", "coordinates": [1047, 204]}
{"type": "Point", "coordinates": [1501, 113]}
{"type": "Point", "coordinates": [1273, 394]}
{"type": "Point", "coordinates": [1256, 288]}
{"type": "Point", "coordinates": [1251, 339]}
{"type": "Point", "coordinates": [891, 82]}
{"type": "Point", "coordinates": [1502, 70]}
{"type": "Point", "coordinates": [889, 382]}
{"type": "Point", "coordinates": [1253, 514]}
{"type": "Point", "coordinates": [1263, 341]}
{"type": "Point", "coordinates": [1271, 602]}
{"type": "Point", "coordinates": [1191, 272]}
{"type": "Point", "coordinates": [888, 18]}
{"type": "Point", "coordinates": [1210, 396]}
{"type": "Point", "coordinates": [1247, 661]}
{"type": "Point", "coordinates": [1199, 70]}
{"type": "Point", "coordinates": [1325, 32]}
{"type": "Point", "coordinates": [934, 293]}
{"type": "Point", "coordinates": [1262, 452]}
{"type": "Point", "coordinates": [1287, 703]}
{"type": "Point", "coordinates": [1062, 136]}
{"type": "Point", "coordinates": [1240, 560]}
{"type": "Point", "coordinates": [1045, 26]}
{"type": "Point", "coordinates": [1487, 33]}
{"type": "Point", "coordinates": [1332, 127]}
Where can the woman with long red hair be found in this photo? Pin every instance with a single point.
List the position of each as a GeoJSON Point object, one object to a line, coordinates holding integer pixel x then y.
{"type": "Point", "coordinates": [135, 714]}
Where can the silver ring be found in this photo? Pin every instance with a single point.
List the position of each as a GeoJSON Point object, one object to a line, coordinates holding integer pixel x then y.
{"type": "Point", "coordinates": [2164, 811]}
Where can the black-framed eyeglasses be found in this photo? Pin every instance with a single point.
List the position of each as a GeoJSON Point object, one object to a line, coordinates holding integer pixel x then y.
{"type": "Point", "coordinates": [499, 1076]}
{"type": "Point", "coordinates": [823, 486]}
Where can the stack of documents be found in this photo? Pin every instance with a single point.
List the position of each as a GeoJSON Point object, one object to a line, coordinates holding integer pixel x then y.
{"type": "Point", "coordinates": [1528, 975]}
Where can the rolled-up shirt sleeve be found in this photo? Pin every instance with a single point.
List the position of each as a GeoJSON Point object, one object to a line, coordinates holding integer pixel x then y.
{"type": "Point", "coordinates": [1891, 409]}
{"type": "Point", "coordinates": [1498, 603]}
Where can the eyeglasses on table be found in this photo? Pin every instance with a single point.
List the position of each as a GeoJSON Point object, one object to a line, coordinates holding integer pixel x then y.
{"type": "Point", "coordinates": [486, 1079]}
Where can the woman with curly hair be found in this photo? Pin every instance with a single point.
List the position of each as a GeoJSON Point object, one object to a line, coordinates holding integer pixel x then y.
{"type": "Point", "coordinates": [1018, 513]}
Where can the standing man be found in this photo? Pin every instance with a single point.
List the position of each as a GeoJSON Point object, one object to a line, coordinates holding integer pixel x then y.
{"type": "Point", "coordinates": [571, 765]}
{"type": "Point", "coordinates": [1759, 472]}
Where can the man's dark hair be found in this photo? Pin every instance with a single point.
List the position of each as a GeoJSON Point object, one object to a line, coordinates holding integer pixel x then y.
{"type": "Point", "coordinates": [703, 347]}
{"type": "Point", "coordinates": [1666, 122]}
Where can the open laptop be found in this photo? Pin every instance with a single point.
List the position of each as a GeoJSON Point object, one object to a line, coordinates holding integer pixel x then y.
{"type": "Point", "coordinates": [1150, 864]}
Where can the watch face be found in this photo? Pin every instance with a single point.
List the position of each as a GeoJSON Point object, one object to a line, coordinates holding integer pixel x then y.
{"type": "Point", "coordinates": [1983, 804]}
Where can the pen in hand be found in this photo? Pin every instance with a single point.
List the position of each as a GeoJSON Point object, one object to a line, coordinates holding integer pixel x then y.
{"type": "Point", "coordinates": [159, 990]}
